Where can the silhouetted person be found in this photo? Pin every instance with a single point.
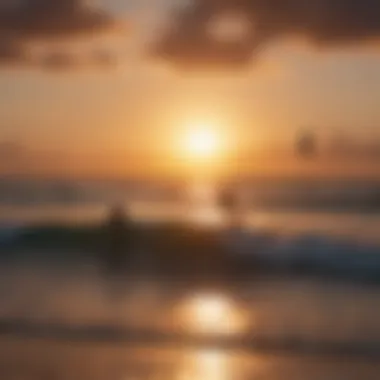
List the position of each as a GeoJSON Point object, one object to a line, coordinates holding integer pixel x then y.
{"type": "Point", "coordinates": [228, 201]}
{"type": "Point", "coordinates": [120, 241]}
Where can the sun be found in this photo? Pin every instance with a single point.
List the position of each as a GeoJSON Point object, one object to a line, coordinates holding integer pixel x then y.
{"type": "Point", "coordinates": [202, 142]}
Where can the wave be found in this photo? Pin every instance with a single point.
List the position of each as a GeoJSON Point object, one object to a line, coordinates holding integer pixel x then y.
{"type": "Point", "coordinates": [109, 334]}
{"type": "Point", "coordinates": [307, 253]}
{"type": "Point", "coordinates": [248, 251]}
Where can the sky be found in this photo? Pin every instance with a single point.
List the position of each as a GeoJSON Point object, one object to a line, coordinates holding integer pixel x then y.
{"type": "Point", "coordinates": [103, 89]}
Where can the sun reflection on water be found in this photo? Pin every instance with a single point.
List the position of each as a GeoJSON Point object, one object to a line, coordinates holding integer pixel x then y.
{"type": "Point", "coordinates": [205, 365]}
{"type": "Point", "coordinates": [210, 314]}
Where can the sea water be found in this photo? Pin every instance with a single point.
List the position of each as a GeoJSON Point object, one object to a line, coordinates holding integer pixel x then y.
{"type": "Point", "coordinates": [288, 327]}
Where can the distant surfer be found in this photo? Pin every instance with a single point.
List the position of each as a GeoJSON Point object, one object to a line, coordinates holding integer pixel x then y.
{"type": "Point", "coordinates": [228, 201]}
{"type": "Point", "coordinates": [119, 239]}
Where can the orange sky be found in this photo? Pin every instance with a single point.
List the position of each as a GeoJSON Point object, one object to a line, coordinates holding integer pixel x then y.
{"type": "Point", "coordinates": [127, 119]}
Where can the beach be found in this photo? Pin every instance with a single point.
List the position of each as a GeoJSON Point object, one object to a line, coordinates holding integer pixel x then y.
{"type": "Point", "coordinates": [298, 296]}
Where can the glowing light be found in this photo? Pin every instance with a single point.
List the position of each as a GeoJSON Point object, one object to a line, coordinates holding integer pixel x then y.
{"type": "Point", "coordinates": [202, 142]}
{"type": "Point", "coordinates": [210, 310]}
{"type": "Point", "coordinates": [211, 314]}
{"type": "Point", "coordinates": [206, 365]}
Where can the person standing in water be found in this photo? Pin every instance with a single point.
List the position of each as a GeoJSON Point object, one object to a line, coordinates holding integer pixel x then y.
{"type": "Point", "coordinates": [119, 233]}
{"type": "Point", "coordinates": [228, 201]}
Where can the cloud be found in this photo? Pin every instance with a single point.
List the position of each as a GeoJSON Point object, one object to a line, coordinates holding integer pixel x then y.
{"type": "Point", "coordinates": [321, 22]}
{"type": "Point", "coordinates": [24, 22]}
{"type": "Point", "coordinates": [306, 145]}
{"type": "Point", "coordinates": [27, 19]}
{"type": "Point", "coordinates": [13, 52]}
{"type": "Point", "coordinates": [63, 60]}
{"type": "Point", "coordinates": [59, 61]}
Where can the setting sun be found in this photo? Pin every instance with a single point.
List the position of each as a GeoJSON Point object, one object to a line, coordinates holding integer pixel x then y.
{"type": "Point", "coordinates": [202, 142]}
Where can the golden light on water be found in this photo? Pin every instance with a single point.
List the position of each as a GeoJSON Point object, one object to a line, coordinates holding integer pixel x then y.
{"type": "Point", "coordinates": [211, 314]}
{"type": "Point", "coordinates": [205, 365]}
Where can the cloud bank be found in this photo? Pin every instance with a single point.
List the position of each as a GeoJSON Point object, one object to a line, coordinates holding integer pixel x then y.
{"type": "Point", "coordinates": [24, 22]}
{"type": "Point", "coordinates": [321, 22]}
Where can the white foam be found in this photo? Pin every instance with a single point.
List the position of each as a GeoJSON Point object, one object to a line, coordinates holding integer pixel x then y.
{"type": "Point", "coordinates": [312, 251]}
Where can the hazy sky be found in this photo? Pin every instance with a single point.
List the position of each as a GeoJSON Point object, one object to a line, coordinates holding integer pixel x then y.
{"type": "Point", "coordinates": [105, 97]}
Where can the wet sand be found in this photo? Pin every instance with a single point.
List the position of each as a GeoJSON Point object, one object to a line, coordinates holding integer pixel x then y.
{"type": "Point", "coordinates": [72, 295]}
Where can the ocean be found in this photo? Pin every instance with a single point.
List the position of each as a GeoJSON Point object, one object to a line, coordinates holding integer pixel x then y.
{"type": "Point", "coordinates": [58, 321]}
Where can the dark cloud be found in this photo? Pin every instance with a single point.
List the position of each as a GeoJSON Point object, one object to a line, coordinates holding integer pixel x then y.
{"type": "Point", "coordinates": [59, 61]}
{"type": "Point", "coordinates": [51, 18]}
{"type": "Point", "coordinates": [62, 60]}
{"type": "Point", "coordinates": [306, 145]}
{"type": "Point", "coordinates": [12, 52]}
{"type": "Point", "coordinates": [322, 22]}
{"type": "Point", "coordinates": [23, 22]}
